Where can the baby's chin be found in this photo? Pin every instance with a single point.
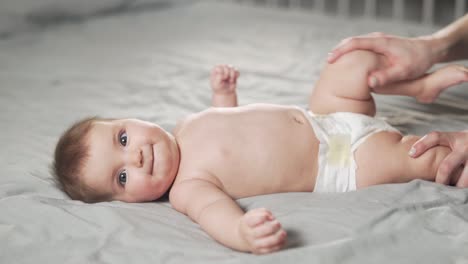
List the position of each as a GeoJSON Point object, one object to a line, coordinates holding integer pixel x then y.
{"type": "Point", "coordinates": [140, 196]}
{"type": "Point", "coordinates": [139, 199]}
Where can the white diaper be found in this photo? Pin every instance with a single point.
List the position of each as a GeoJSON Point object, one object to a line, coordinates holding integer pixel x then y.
{"type": "Point", "coordinates": [340, 134]}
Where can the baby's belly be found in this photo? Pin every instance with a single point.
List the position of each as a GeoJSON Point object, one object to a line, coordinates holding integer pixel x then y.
{"type": "Point", "coordinates": [278, 157]}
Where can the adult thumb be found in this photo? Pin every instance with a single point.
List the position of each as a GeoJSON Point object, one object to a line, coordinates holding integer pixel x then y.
{"type": "Point", "coordinates": [384, 77]}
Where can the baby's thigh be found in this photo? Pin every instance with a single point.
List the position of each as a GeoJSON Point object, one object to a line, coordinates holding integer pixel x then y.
{"type": "Point", "coordinates": [383, 158]}
{"type": "Point", "coordinates": [342, 86]}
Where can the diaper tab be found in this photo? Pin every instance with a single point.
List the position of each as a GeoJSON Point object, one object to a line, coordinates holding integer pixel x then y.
{"type": "Point", "coordinates": [339, 150]}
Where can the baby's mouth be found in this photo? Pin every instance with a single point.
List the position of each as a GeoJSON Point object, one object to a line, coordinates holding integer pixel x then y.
{"type": "Point", "coordinates": [152, 160]}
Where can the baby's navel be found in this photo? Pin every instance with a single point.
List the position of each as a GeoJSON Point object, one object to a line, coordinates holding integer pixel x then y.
{"type": "Point", "coordinates": [298, 118]}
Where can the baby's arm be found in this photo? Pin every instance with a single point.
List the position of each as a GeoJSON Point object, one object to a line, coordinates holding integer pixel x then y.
{"type": "Point", "coordinates": [223, 82]}
{"type": "Point", "coordinates": [221, 217]}
{"type": "Point", "coordinates": [342, 86]}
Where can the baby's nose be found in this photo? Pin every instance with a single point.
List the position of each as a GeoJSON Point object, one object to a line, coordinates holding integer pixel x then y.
{"type": "Point", "coordinates": [135, 158]}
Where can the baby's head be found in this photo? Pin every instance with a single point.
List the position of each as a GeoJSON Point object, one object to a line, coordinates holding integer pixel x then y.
{"type": "Point", "coordinates": [116, 159]}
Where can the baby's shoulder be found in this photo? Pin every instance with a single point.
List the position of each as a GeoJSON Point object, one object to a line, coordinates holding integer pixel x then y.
{"type": "Point", "coordinates": [188, 187]}
{"type": "Point", "coordinates": [183, 123]}
{"type": "Point", "coordinates": [197, 122]}
{"type": "Point", "coordinates": [196, 176]}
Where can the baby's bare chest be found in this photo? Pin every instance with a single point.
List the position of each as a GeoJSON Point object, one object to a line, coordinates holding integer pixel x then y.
{"type": "Point", "coordinates": [254, 153]}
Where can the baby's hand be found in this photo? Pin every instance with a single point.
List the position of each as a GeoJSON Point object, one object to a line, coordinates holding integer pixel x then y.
{"type": "Point", "coordinates": [224, 79]}
{"type": "Point", "coordinates": [261, 231]}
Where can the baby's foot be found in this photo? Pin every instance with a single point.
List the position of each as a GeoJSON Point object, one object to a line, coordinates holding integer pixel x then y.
{"type": "Point", "coordinates": [223, 81]}
{"type": "Point", "coordinates": [438, 81]}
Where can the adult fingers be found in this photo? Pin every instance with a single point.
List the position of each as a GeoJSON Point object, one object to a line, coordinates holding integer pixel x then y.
{"type": "Point", "coordinates": [375, 44]}
{"type": "Point", "coordinates": [386, 76]}
{"type": "Point", "coordinates": [463, 180]}
{"type": "Point", "coordinates": [449, 166]}
{"type": "Point", "coordinates": [377, 34]}
{"type": "Point", "coordinates": [428, 141]}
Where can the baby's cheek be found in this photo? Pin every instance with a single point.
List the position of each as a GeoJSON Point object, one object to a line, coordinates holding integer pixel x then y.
{"type": "Point", "coordinates": [138, 194]}
{"type": "Point", "coordinates": [146, 189]}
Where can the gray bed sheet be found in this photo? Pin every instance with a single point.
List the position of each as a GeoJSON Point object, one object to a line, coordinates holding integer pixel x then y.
{"type": "Point", "coordinates": [152, 62]}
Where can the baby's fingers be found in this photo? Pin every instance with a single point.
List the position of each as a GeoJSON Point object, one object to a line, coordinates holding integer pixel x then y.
{"type": "Point", "coordinates": [232, 75]}
{"type": "Point", "coordinates": [268, 228]}
{"type": "Point", "coordinates": [258, 216]}
{"type": "Point", "coordinates": [224, 73]}
{"type": "Point", "coordinates": [272, 242]}
{"type": "Point", "coordinates": [269, 250]}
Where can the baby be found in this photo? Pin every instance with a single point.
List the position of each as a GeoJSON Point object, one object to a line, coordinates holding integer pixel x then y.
{"type": "Point", "coordinates": [227, 152]}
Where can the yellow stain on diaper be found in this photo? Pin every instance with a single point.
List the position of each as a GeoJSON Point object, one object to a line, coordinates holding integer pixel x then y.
{"type": "Point", "coordinates": [339, 152]}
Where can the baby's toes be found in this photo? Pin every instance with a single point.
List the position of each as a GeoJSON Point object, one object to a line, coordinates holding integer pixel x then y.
{"type": "Point", "coordinates": [464, 71]}
{"type": "Point", "coordinates": [456, 74]}
{"type": "Point", "coordinates": [441, 80]}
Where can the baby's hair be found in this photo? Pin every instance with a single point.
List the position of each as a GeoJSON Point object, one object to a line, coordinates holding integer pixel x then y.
{"type": "Point", "coordinates": [71, 153]}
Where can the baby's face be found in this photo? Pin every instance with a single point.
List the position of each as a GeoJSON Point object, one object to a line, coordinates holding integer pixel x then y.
{"type": "Point", "coordinates": [135, 161]}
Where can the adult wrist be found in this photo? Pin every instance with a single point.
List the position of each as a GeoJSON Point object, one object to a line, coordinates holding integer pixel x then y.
{"type": "Point", "coordinates": [439, 47]}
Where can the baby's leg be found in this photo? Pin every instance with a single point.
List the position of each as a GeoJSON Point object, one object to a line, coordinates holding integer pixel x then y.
{"type": "Point", "coordinates": [342, 86]}
{"type": "Point", "coordinates": [383, 158]}
{"type": "Point", "coordinates": [428, 87]}
{"type": "Point", "coordinates": [223, 82]}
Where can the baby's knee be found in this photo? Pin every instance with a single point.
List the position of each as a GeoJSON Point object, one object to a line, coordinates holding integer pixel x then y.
{"type": "Point", "coordinates": [359, 59]}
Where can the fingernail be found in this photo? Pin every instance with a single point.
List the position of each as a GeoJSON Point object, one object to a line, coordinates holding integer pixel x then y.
{"type": "Point", "coordinates": [373, 81]}
{"type": "Point", "coordinates": [412, 152]}
{"type": "Point", "coordinates": [330, 55]}
{"type": "Point", "coordinates": [463, 68]}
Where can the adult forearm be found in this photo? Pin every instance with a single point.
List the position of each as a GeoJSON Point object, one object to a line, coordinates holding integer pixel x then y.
{"type": "Point", "coordinates": [451, 42]}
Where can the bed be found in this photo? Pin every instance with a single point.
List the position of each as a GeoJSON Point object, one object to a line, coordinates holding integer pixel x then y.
{"type": "Point", "coordinates": [64, 60]}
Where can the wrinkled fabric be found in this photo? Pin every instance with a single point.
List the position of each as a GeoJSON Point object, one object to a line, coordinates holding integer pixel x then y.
{"type": "Point", "coordinates": [154, 64]}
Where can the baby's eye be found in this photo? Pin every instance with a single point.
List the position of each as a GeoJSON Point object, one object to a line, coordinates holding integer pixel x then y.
{"type": "Point", "coordinates": [123, 138]}
{"type": "Point", "coordinates": [123, 177]}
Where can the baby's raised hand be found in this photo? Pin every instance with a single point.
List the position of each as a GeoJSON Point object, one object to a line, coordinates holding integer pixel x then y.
{"type": "Point", "coordinates": [223, 79]}
{"type": "Point", "coordinates": [261, 231]}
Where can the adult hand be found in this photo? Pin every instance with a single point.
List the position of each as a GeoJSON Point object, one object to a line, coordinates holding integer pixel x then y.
{"type": "Point", "coordinates": [458, 142]}
{"type": "Point", "coordinates": [409, 58]}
